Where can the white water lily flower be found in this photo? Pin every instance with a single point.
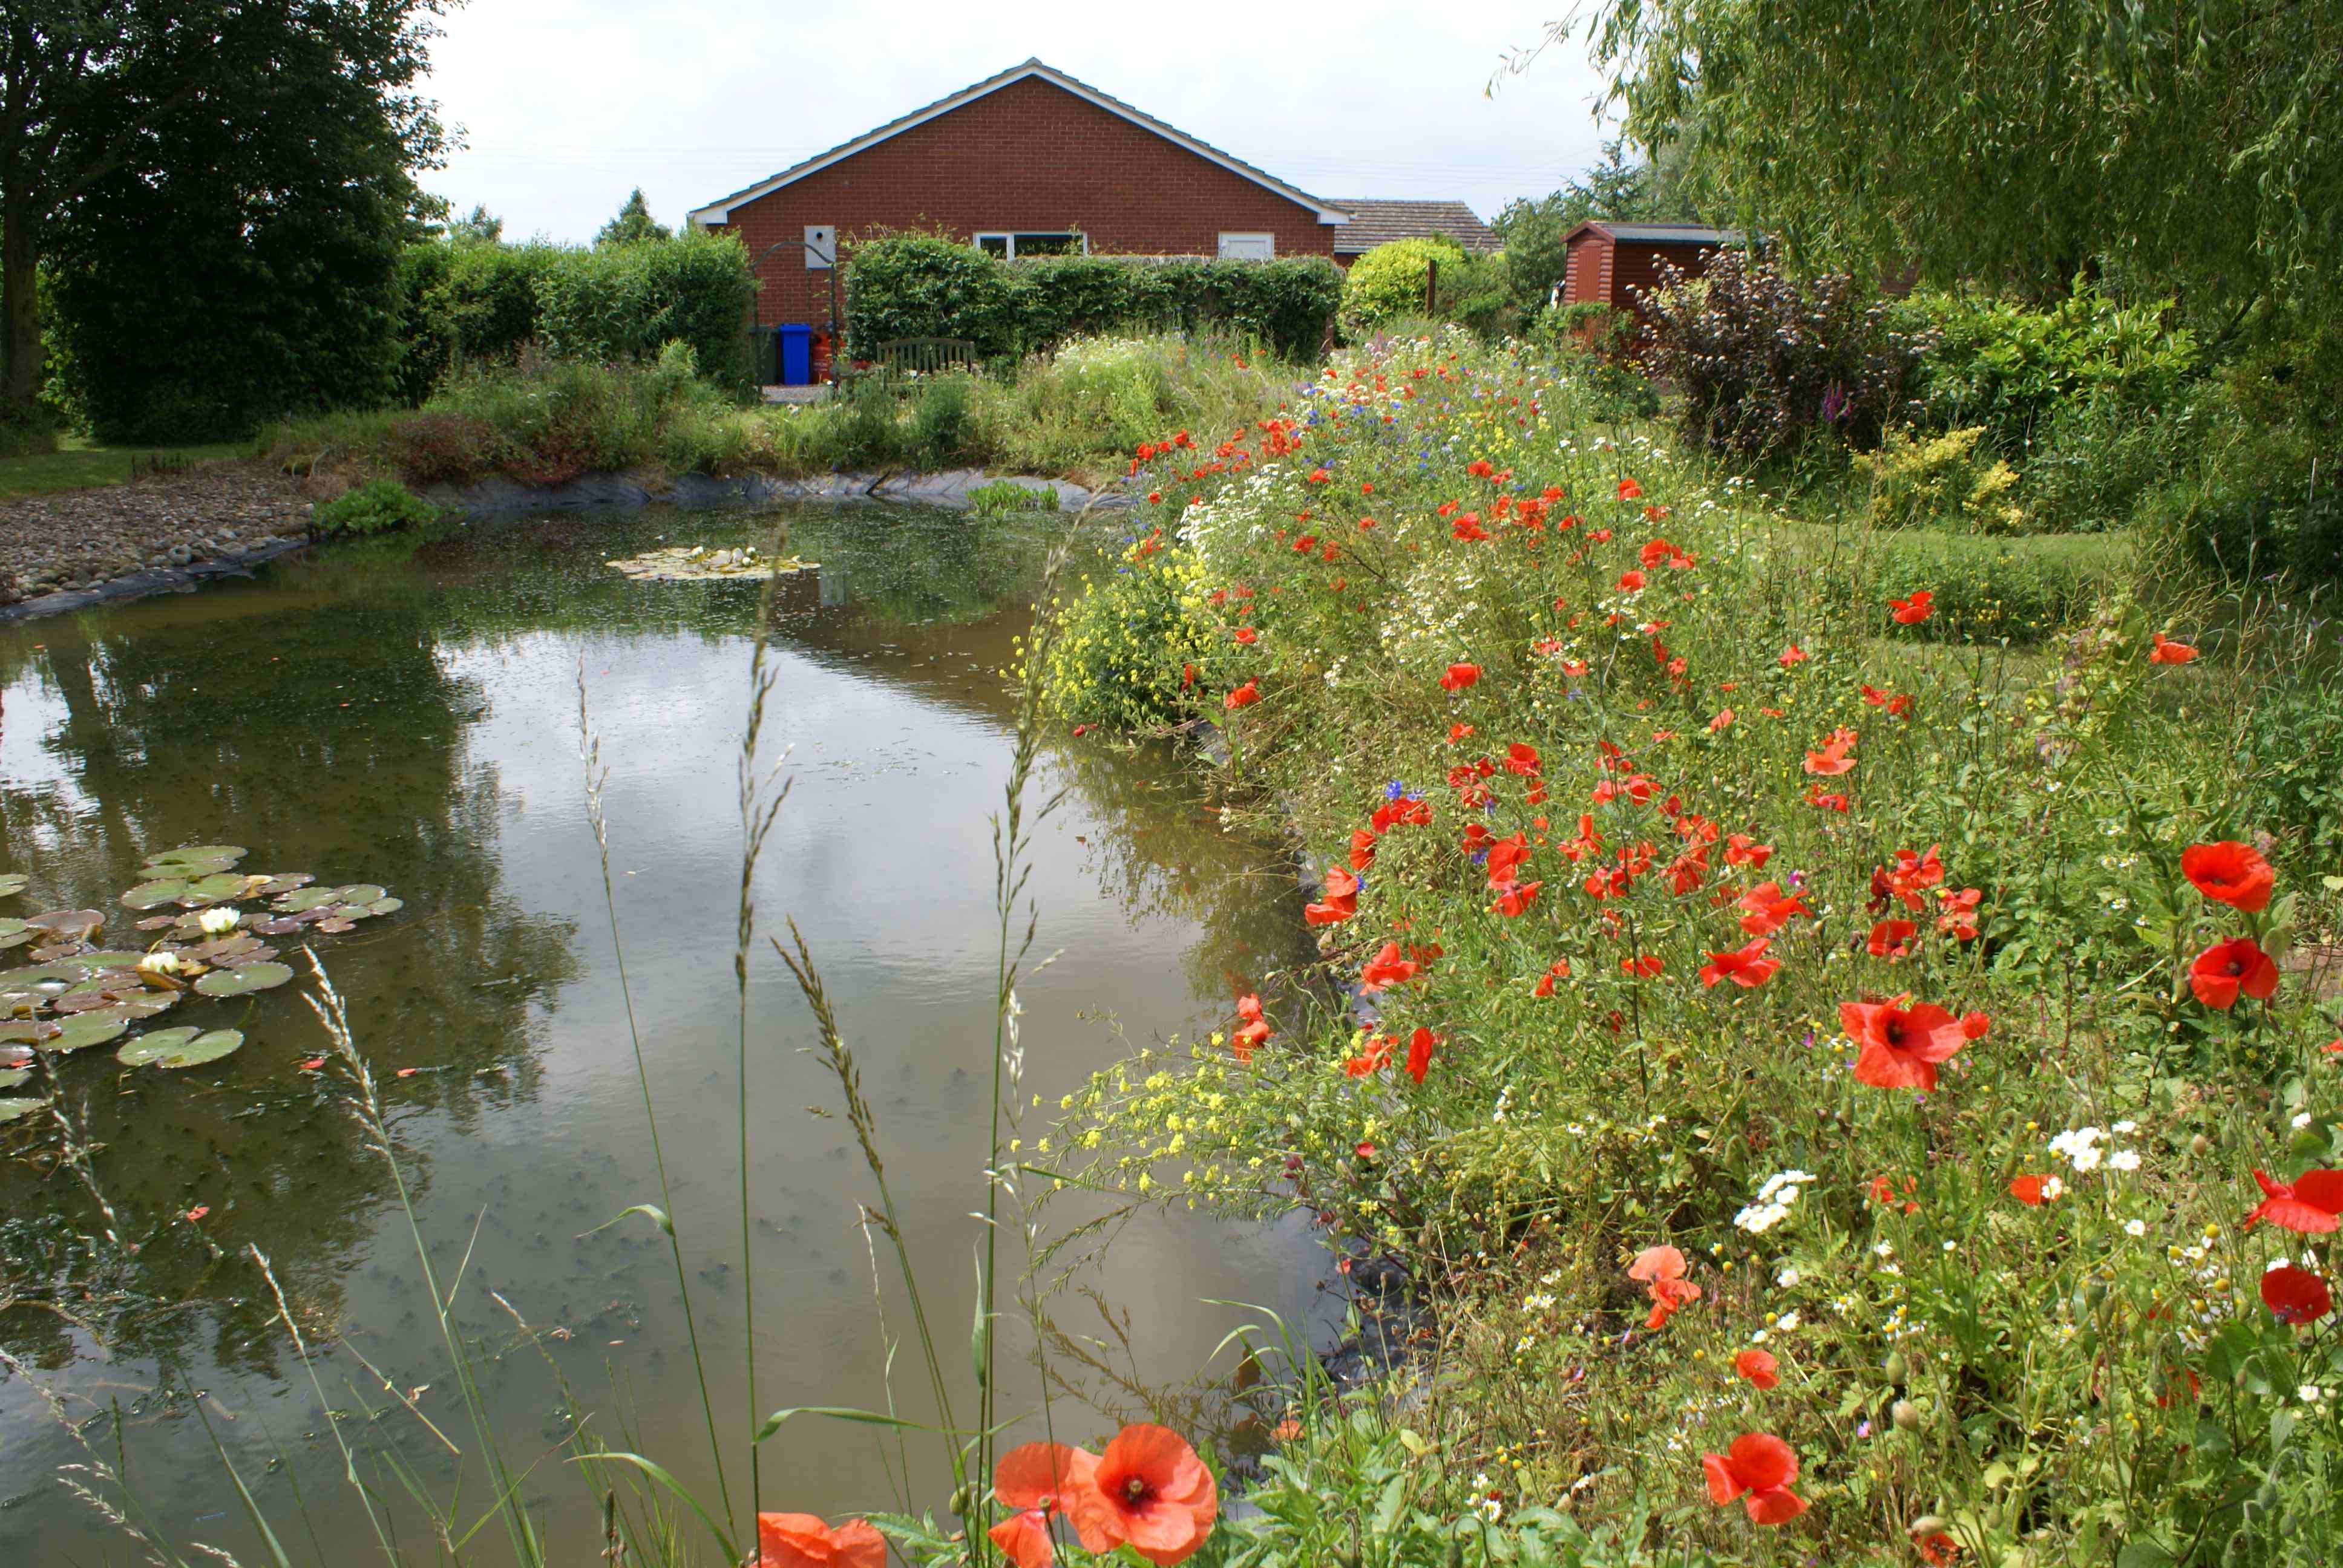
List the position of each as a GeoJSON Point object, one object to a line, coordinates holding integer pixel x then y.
{"type": "Point", "coordinates": [218, 920]}
{"type": "Point", "coordinates": [162, 963]}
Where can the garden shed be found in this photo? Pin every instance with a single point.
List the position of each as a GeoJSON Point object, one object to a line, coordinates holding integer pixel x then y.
{"type": "Point", "coordinates": [1617, 264]}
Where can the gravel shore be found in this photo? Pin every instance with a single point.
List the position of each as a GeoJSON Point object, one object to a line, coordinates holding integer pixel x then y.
{"type": "Point", "coordinates": [80, 538]}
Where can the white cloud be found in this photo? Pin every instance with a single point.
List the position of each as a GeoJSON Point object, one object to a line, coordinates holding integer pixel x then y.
{"type": "Point", "coordinates": [566, 105]}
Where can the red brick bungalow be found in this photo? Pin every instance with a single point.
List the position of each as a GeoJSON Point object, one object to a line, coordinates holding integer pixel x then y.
{"type": "Point", "coordinates": [1028, 162]}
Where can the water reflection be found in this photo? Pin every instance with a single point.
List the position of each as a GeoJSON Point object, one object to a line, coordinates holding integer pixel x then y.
{"type": "Point", "coordinates": [405, 713]}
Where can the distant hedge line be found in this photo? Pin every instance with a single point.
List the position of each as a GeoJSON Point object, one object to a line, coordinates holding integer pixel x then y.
{"type": "Point", "coordinates": [924, 286]}
{"type": "Point", "coordinates": [467, 304]}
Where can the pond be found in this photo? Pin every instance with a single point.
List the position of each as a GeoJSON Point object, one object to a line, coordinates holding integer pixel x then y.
{"type": "Point", "coordinates": [406, 713]}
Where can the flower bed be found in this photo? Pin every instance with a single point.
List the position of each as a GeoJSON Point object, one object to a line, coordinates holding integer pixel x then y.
{"type": "Point", "coordinates": [1825, 1063]}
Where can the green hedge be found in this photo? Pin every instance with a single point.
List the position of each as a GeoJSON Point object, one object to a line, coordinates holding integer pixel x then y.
{"type": "Point", "coordinates": [926, 286]}
{"type": "Point", "coordinates": [470, 304]}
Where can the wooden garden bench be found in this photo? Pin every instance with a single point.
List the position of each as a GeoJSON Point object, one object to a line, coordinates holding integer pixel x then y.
{"type": "Point", "coordinates": [927, 356]}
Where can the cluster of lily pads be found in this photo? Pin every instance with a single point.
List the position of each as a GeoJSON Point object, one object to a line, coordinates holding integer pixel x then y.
{"type": "Point", "coordinates": [698, 563]}
{"type": "Point", "coordinates": [205, 921]}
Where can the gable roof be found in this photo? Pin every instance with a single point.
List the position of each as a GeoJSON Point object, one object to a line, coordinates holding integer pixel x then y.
{"type": "Point", "coordinates": [719, 211]}
{"type": "Point", "coordinates": [1375, 223]}
{"type": "Point", "coordinates": [1658, 233]}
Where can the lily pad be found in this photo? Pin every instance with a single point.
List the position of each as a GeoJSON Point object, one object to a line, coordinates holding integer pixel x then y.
{"type": "Point", "coordinates": [212, 889]}
{"type": "Point", "coordinates": [11, 1077]}
{"type": "Point", "coordinates": [246, 978]}
{"type": "Point", "coordinates": [146, 895]}
{"type": "Point", "coordinates": [11, 884]}
{"type": "Point", "coordinates": [385, 906]}
{"type": "Point", "coordinates": [358, 893]}
{"type": "Point", "coordinates": [307, 899]}
{"type": "Point", "coordinates": [10, 1110]}
{"type": "Point", "coordinates": [335, 925]}
{"type": "Point", "coordinates": [87, 1029]}
{"type": "Point", "coordinates": [131, 1002]}
{"type": "Point", "coordinates": [197, 854]}
{"type": "Point", "coordinates": [104, 959]}
{"type": "Point", "coordinates": [71, 924]}
{"type": "Point", "coordinates": [283, 883]}
{"type": "Point", "coordinates": [179, 1048]}
{"type": "Point", "coordinates": [27, 1030]}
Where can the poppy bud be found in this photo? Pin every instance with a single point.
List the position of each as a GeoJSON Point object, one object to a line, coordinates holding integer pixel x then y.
{"type": "Point", "coordinates": [1926, 1524]}
{"type": "Point", "coordinates": [1899, 1371]}
{"type": "Point", "coordinates": [1906, 1414]}
{"type": "Point", "coordinates": [2200, 1144]}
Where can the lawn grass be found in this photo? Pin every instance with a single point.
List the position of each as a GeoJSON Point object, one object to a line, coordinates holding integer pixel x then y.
{"type": "Point", "coordinates": [82, 464]}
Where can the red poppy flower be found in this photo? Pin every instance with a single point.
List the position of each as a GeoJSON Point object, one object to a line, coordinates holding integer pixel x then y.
{"type": "Point", "coordinates": [1761, 1369]}
{"type": "Point", "coordinates": [1387, 969]}
{"type": "Point", "coordinates": [1892, 939]}
{"type": "Point", "coordinates": [1522, 758]}
{"type": "Point", "coordinates": [2226, 970]}
{"type": "Point", "coordinates": [2027, 1190]}
{"type": "Point", "coordinates": [2308, 1205]}
{"type": "Point", "coordinates": [1247, 636]}
{"type": "Point", "coordinates": [1767, 911]}
{"type": "Point", "coordinates": [2295, 1295]}
{"type": "Point", "coordinates": [1558, 970]}
{"type": "Point", "coordinates": [1630, 580]}
{"type": "Point", "coordinates": [1975, 1024]}
{"type": "Point", "coordinates": [1817, 797]}
{"type": "Point", "coordinates": [1245, 696]}
{"type": "Point", "coordinates": [1762, 1466]}
{"type": "Point", "coordinates": [1914, 611]}
{"type": "Point", "coordinates": [1831, 760]}
{"type": "Point", "coordinates": [1419, 1052]}
{"type": "Point", "coordinates": [803, 1541]}
{"type": "Point", "coordinates": [1937, 1549]}
{"type": "Point", "coordinates": [1149, 1491]}
{"type": "Point", "coordinates": [2229, 873]}
{"type": "Point", "coordinates": [1340, 901]}
{"type": "Point", "coordinates": [1741, 850]}
{"type": "Point", "coordinates": [1459, 677]}
{"type": "Point", "coordinates": [1661, 1270]}
{"type": "Point", "coordinates": [1252, 1030]}
{"type": "Point", "coordinates": [1901, 1046]}
{"type": "Point", "coordinates": [1792, 655]}
{"type": "Point", "coordinates": [1642, 966]}
{"type": "Point", "coordinates": [1745, 965]}
{"type": "Point", "coordinates": [1362, 848]}
{"type": "Point", "coordinates": [2167, 652]}
{"type": "Point", "coordinates": [1630, 491]}
{"type": "Point", "coordinates": [1372, 1060]}
{"type": "Point", "coordinates": [1037, 1479]}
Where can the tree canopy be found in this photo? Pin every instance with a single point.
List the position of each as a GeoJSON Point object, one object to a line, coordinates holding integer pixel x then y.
{"type": "Point", "coordinates": [634, 223]}
{"type": "Point", "coordinates": [222, 117]}
{"type": "Point", "coordinates": [2187, 144]}
{"type": "Point", "coordinates": [1622, 186]}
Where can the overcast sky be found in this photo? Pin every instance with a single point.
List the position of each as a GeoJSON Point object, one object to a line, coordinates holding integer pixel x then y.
{"type": "Point", "coordinates": [566, 105]}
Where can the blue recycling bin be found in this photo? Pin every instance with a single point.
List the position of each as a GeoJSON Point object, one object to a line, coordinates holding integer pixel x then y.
{"type": "Point", "coordinates": [797, 355]}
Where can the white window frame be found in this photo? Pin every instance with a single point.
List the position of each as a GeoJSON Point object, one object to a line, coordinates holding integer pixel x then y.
{"type": "Point", "coordinates": [1268, 241]}
{"type": "Point", "coordinates": [1007, 238]}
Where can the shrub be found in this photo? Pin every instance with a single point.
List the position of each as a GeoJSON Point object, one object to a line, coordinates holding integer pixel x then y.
{"type": "Point", "coordinates": [376, 507]}
{"type": "Point", "coordinates": [2094, 460]}
{"type": "Point", "coordinates": [2012, 370]}
{"type": "Point", "coordinates": [1918, 480]}
{"type": "Point", "coordinates": [1763, 359]}
{"type": "Point", "coordinates": [466, 304]}
{"type": "Point", "coordinates": [627, 302]}
{"type": "Point", "coordinates": [927, 286]}
{"type": "Point", "coordinates": [1394, 280]}
{"type": "Point", "coordinates": [1124, 657]}
{"type": "Point", "coordinates": [941, 431]}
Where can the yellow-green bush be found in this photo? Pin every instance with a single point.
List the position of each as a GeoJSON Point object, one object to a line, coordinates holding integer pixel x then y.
{"type": "Point", "coordinates": [1917, 481]}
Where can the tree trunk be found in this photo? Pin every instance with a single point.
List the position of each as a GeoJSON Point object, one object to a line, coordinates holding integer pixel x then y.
{"type": "Point", "coordinates": [21, 367]}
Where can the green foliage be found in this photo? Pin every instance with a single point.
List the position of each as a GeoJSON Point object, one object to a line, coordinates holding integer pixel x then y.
{"type": "Point", "coordinates": [376, 507]}
{"type": "Point", "coordinates": [1764, 360]}
{"type": "Point", "coordinates": [2188, 143]}
{"type": "Point", "coordinates": [627, 302]}
{"type": "Point", "coordinates": [633, 225]}
{"type": "Point", "coordinates": [1003, 496]}
{"type": "Point", "coordinates": [926, 286]}
{"type": "Point", "coordinates": [1394, 280]}
{"type": "Point", "coordinates": [1123, 658]}
{"type": "Point", "coordinates": [942, 410]}
{"type": "Point", "coordinates": [1998, 364]}
{"type": "Point", "coordinates": [1621, 187]}
{"type": "Point", "coordinates": [242, 262]}
{"type": "Point", "coordinates": [1594, 339]}
{"type": "Point", "coordinates": [2094, 462]}
{"type": "Point", "coordinates": [1916, 480]}
{"type": "Point", "coordinates": [465, 303]}
{"type": "Point", "coordinates": [2024, 589]}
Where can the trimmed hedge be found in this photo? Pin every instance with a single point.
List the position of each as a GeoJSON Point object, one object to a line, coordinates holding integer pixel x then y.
{"type": "Point", "coordinates": [926, 286]}
{"type": "Point", "coordinates": [467, 304]}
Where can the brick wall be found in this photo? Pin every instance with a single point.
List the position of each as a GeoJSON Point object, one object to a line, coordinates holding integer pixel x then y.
{"type": "Point", "coordinates": [1029, 156]}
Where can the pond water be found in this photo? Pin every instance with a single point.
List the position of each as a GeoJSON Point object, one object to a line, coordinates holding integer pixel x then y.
{"type": "Point", "coordinates": [405, 712]}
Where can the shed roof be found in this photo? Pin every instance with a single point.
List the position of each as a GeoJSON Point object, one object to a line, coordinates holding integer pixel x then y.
{"type": "Point", "coordinates": [1658, 233]}
{"type": "Point", "coordinates": [718, 211]}
{"type": "Point", "coordinates": [1375, 223]}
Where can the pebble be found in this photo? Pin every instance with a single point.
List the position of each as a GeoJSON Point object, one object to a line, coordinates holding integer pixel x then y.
{"type": "Point", "coordinates": [82, 538]}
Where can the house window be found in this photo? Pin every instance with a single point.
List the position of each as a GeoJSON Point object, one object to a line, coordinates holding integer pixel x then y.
{"type": "Point", "coordinates": [1248, 246]}
{"type": "Point", "coordinates": [1008, 246]}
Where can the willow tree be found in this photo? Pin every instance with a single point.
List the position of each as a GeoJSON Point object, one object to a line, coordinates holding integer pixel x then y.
{"type": "Point", "coordinates": [2194, 146]}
